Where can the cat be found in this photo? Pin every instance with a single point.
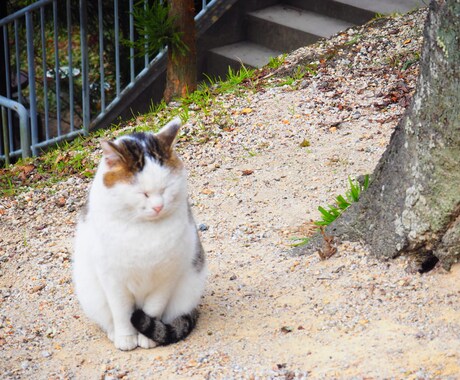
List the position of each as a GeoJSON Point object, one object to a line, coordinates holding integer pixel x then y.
{"type": "Point", "coordinates": [139, 268]}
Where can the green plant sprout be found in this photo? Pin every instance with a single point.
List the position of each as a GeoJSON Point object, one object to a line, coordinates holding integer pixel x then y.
{"type": "Point", "coordinates": [332, 212]}
{"type": "Point", "coordinates": [157, 26]}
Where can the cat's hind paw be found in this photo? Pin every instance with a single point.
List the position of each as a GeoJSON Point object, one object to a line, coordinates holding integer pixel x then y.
{"type": "Point", "coordinates": [126, 342]}
{"type": "Point", "coordinates": [144, 342]}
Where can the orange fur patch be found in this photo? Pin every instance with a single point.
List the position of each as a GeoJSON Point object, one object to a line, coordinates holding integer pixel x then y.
{"type": "Point", "coordinates": [117, 174]}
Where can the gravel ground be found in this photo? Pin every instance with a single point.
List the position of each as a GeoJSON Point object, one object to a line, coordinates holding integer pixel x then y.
{"type": "Point", "coordinates": [266, 314]}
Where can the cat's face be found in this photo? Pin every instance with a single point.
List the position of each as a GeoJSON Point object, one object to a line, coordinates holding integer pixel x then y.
{"type": "Point", "coordinates": [142, 175]}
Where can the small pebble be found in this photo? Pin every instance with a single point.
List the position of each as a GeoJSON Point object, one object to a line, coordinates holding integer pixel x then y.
{"type": "Point", "coordinates": [202, 227]}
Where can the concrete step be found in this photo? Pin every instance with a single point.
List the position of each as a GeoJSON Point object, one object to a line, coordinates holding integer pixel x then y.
{"type": "Point", "coordinates": [247, 53]}
{"type": "Point", "coordinates": [385, 6]}
{"type": "Point", "coordinates": [290, 24]}
{"type": "Point", "coordinates": [356, 11]}
{"type": "Point", "coordinates": [286, 28]}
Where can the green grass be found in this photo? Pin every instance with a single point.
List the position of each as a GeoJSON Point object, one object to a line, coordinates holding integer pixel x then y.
{"type": "Point", "coordinates": [276, 62]}
{"type": "Point", "coordinates": [300, 73]}
{"type": "Point", "coordinates": [299, 241]}
{"type": "Point", "coordinates": [356, 38]}
{"type": "Point", "coordinates": [76, 158]}
{"type": "Point", "coordinates": [330, 213]}
{"type": "Point", "coordinates": [352, 195]}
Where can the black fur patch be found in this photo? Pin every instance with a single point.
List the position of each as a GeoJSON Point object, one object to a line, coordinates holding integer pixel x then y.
{"type": "Point", "coordinates": [133, 154]}
{"type": "Point", "coordinates": [163, 333]}
{"type": "Point", "coordinates": [137, 147]}
{"type": "Point", "coordinates": [151, 146]}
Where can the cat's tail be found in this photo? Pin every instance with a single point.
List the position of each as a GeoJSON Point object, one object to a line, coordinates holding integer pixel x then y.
{"type": "Point", "coordinates": [164, 333]}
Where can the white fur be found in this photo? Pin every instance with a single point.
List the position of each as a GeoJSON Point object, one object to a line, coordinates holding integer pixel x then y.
{"type": "Point", "coordinates": [128, 255]}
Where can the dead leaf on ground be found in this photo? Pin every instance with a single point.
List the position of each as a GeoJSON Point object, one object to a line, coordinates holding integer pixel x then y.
{"type": "Point", "coordinates": [25, 171]}
{"type": "Point", "coordinates": [329, 248]}
{"type": "Point", "coordinates": [207, 191]}
{"type": "Point", "coordinates": [37, 288]}
{"type": "Point", "coordinates": [286, 329]}
{"type": "Point", "coordinates": [306, 229]}
{"type": "Point", "coordinates": [305, 143]}
{"type": "Point", "coordinates": [60, 202]}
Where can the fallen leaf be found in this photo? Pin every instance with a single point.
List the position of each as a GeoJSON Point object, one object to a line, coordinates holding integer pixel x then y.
{"type": "Point", "coordinates": [192, 363]}
{"type": "Point", "coordinates": [59, 158]}
{"type": "Point", "coordinates": [245, 111]}
{"type": "Point", "coordinates": [37, 288]}
{"type": "Point", "coordinates": [60, 202]}
{"type": "Point", "coordinates": [26, 169]}
{"type": "Point", "coordinates": [286, 329]}
{"type": "Point", "coordinates": [408, 41]}
{"type": "Point", "coordinates": [247, 172]}
{"type": "Point", "coordinates": [329, 249]}
{"type": "Point", "coordinates": [305, 143]}
{"type": "Point", "coordinates": [207, 192]}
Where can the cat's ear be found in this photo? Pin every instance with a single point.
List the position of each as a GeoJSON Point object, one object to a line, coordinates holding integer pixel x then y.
{"type": "Point", "coordinates": [168, 133]}
{"type": "Point", "coordinates": [112, 154]}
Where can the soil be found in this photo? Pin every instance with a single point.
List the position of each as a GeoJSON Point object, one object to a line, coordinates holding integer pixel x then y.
{"type": "Point", "coordinates": [267, 313]}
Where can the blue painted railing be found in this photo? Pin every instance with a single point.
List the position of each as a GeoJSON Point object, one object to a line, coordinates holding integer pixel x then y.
{"type": "Point", "coordinates": [66, 71]}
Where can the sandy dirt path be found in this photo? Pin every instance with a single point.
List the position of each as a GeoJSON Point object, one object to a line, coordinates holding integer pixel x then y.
{"type": "Point", "coordinates": [266, 314]}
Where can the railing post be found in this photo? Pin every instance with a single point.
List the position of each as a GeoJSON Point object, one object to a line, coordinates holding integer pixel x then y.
{"type": "Point", "coordinates": [70, 64]}
{"type": "Point", "coordinates": [6, 137]}
{"type": "Point", "coordinates": [117, 47]}
{"type": "Point", "coordinates": [44, 68]}
{"type": "Point", "coordinates": [23, 124]}
{"type": "Point", "coordinates": [32, 90]}
{"type": "Point", "coordinates": [84, 65]}
{"type": "Point", "coordinates": [57, 67]}
{"type": "Point", "coordinates": [101, 54]}
{"type": "Point", "coordinates": [7, 82]}
{"type": "Point", "coordinates": [131, 39]}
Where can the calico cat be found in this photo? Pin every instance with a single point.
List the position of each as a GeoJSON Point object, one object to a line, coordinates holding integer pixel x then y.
{"type": "Point", "coordinates": [139, 268]}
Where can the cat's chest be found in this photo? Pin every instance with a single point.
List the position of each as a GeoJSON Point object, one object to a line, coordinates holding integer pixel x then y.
{"type": "Point", "coordinates": [146, 246]}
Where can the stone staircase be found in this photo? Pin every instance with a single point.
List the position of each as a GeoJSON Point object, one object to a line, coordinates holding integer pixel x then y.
{"type": "Point", "coordinates": [290, 24]}
{"type": "Point", "coordinates": [251, 32]}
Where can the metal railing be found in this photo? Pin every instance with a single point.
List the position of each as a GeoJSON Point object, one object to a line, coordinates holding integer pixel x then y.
{"type": "Point", "coordinates": [68, 63]}
{"type": "Point", "coordinates": [11, 105]}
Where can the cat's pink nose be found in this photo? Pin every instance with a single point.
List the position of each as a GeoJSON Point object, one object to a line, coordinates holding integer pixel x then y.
{"type": "Point", "coordinates": [158, 208]}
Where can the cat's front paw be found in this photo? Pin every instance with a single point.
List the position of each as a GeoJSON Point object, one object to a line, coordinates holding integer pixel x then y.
{"type": "Point", "coordinates": [125, 342]}
{"type": "Point", "coordinates": [144, 342]}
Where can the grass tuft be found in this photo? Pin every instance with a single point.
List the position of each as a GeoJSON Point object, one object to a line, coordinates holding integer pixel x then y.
{"type": "Point", "coordinates": [353, 194]}
{"type": "Point", "coordinates": [330, 213]}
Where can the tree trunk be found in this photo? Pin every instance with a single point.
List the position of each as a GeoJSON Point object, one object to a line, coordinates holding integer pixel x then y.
{"type": "Point", "coordinates": [181, 69]}
{"type": "Point", "coordinates": [412, 206]}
